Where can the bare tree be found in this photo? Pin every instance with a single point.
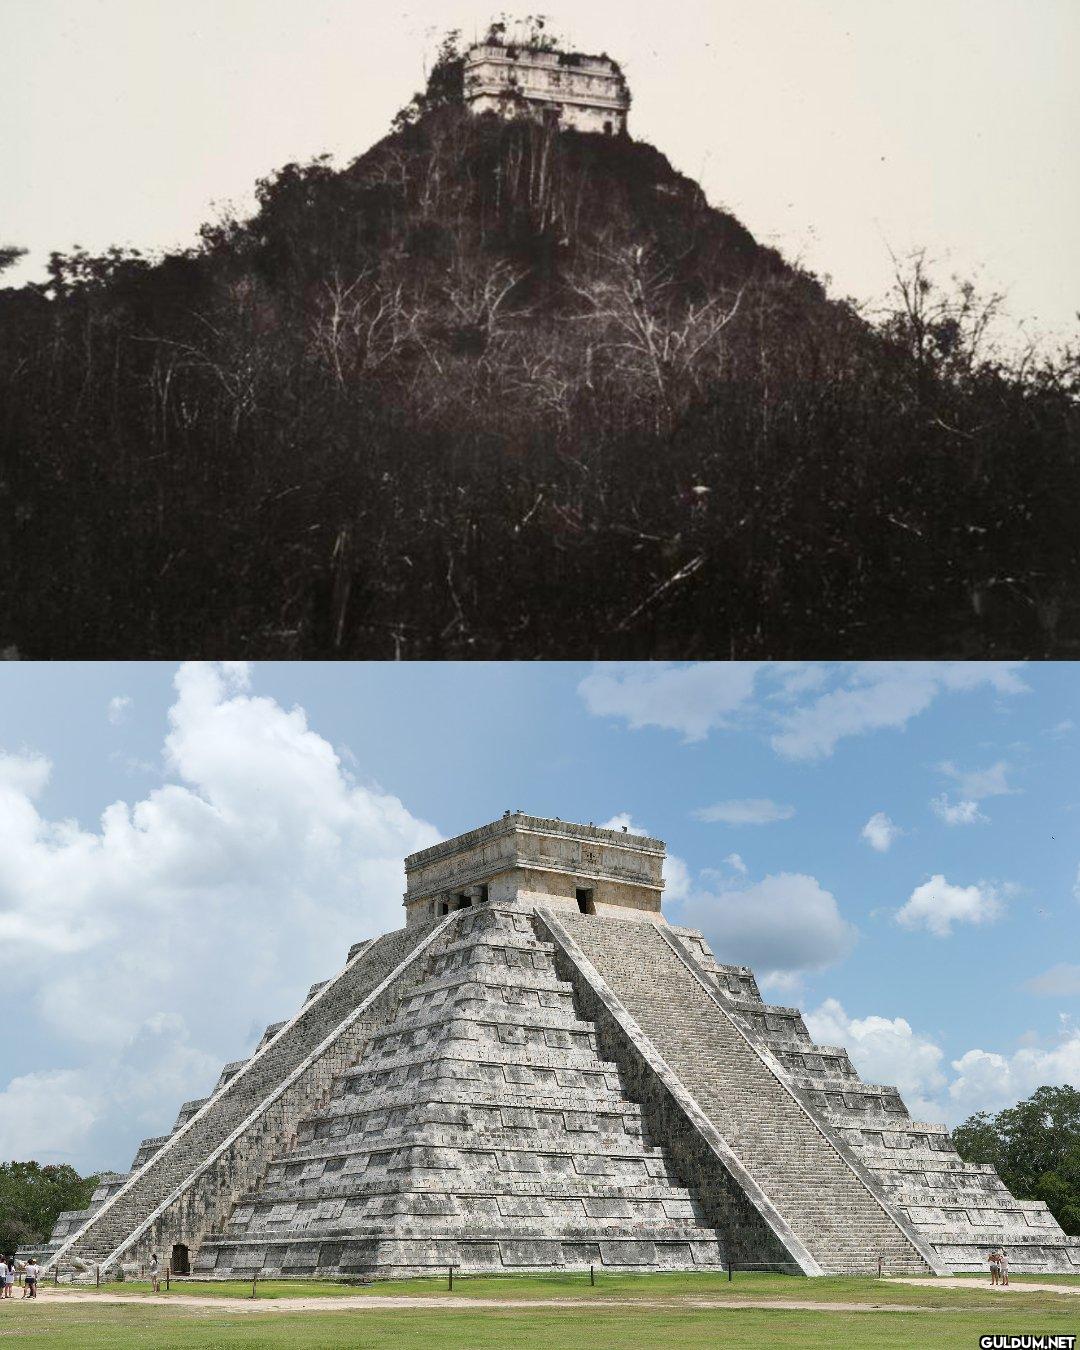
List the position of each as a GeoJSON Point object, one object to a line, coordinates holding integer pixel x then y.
{"type": "Point", "coordinates": [361, 325]}
{"type": "Point", "coordinates": [650, 329]}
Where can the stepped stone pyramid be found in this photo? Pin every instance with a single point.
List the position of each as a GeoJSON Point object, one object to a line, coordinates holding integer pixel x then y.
{"type": "Point", "coordinates": [539, 1072]}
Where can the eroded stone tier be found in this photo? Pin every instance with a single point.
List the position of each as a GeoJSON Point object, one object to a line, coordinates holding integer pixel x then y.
{"type": "Point", "coordinates": [481, 1128]}
{"type": "Point", "coordinates": [538, 1072]}
{"type": "Point", "coordinates": [523, 858]}
{"type": "Point", "coordinates": [587, 93]}
{"type": "Point", "coordinates": [961, 1209]}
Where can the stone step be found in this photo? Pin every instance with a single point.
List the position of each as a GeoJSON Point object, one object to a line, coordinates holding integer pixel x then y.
{"type": "Point", "coordinates": [175, 1165]}
{"type": "Point", "coordinates": [478, 1019]}
{"type": "Point", "coordinates": [831, 1210]}
{"type": "Point", "coordinates": [469, 1121]}
{"type": "Point", "coordinates": [468, 1190]}
{"type": "Point", "coordinates": [537, 1129]}
{"type": "Point", "coordinates": [374, 1253]}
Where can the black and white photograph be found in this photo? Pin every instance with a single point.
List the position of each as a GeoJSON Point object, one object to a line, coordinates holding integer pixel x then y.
{"type": "Point", "coordinates": [341, 331]}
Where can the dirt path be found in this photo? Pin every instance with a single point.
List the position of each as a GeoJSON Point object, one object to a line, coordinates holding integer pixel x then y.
{"type": "Point", "coordinates": [390, 1302]}
{"type": "Point", "coordinates": [994, 1290]}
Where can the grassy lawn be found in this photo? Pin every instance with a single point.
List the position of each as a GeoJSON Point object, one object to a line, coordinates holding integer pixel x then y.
{"type": "Point", "coordinates": [94, 1325]}
{"type": "Point", "coordinates": [678, 1285]}
{"type": "Point", "coordinates": [1028, 1279]}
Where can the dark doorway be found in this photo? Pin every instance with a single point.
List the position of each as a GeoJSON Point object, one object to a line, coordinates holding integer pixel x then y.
{"type": "Point", "coordinates": [483, 895]}
{"type": "Point", "coordinates": [585, 902]}
{"type": "Point", "coordinates": [464, 902]}
{"type": "Point", "coordinates": [179, 1261]}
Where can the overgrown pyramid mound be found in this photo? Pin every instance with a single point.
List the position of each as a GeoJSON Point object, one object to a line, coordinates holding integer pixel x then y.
{"type": "Point", "coordinates": [539, 1072]}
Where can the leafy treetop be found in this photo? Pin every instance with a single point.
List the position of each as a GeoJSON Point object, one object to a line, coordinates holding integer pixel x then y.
{"type": "Point", "coordinates": [31, 1197]}
{"type": "Point", "coordinates": [1035, 1146]}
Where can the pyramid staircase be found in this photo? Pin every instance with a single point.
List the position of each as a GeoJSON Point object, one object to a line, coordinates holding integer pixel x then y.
{"type": "Point", "coordinates": [961, 1210]}
{"type": "Point", "coordinates": [479, 1129]}
{"type": "Point", "coordinates": [538, 1072]}
{"type": "Point", "coordinates": [188, 1181]}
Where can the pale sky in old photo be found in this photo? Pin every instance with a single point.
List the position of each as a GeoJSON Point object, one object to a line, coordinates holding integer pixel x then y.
{"type": "Point", "coordinates": [836, 130]}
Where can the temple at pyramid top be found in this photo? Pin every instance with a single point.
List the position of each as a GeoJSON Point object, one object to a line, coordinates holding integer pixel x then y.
{"type": "Point", "coordinates": [540, 1072]}
{"type": "Point", "coordinates": [570, 89]}
{"type": "Point", "coordinates": [582, 868]}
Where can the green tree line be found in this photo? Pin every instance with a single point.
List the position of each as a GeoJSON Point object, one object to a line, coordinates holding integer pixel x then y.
{"type": "Point", "coordinates": [1035, 1146]}
{"type": "Point", "coordinates": [31, 1197]}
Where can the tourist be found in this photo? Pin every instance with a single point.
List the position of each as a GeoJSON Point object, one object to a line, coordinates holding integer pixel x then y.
{"type": "Point", "coordinates": [995, 1267]}
{"type": "Point", "coordinates": [31, 1271]}
{"type": "Point", "coordinates": [9, 1283]}
{"type": "Point", "coordinates": [1003, 1265]}
{"type": "Point", "coordinates": [155, 1273]}
{"type": "Point", "coordinates": [3, 1275]}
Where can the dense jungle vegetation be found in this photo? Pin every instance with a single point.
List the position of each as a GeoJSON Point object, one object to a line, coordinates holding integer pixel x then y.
{"type": "Point", "coordinates": [497, 390]}
{"type": "Point", "coordinates": [33, 1196]}
{"type": "Point", "coordinates": [1035, 1146]}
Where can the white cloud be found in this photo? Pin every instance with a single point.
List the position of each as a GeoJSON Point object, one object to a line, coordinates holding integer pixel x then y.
{"type": "Point", "coordinates": [884, 1050]}
{"type": "Point", "coordinates": [22, 778]}
{"type": "Point", "coordinates": [748, 811]}
{"type": "Point", "coordinates": [796, 678]}
{"type": "Point", "coordinates": [888, 1050]}
{"type": "Point", "coordinates": [880, 832]}
{"type": "Point", "coordinates": [957, 813]}
{"type": "Point", "coordinates": [71, 1114]}
{"type": "Point", "coordinates": [690, 699]}
{"type": "Point", "coordinates": [733, 860]}
{"type": "Point", "coordinates": [937, 904]}
{"type": "Point", "coordinates": [1060, 981]}
{"type": "Point", "coordinates": [809, 710]}
{"type": "Point", "coordinates": [250, 873]}
{"type": "Point", "coordinates": [784, 923]}
{"type": "Point", "coordinates": [622, 821]}
{"type": "Point", "coordinates": [987, 1081]}
{"type": "Point", "coordinates": [786, 985]}
{"type": "Point", "coordinates": [975, 784]}
{"type": "Point", "coordinates": [676, 879]}
{"type": "Point", "coordinates": [118, 709]}
{"type": "Point", "coordinates": [48, 1114]}
{"type": "Point", "coordinates": [876, 697]}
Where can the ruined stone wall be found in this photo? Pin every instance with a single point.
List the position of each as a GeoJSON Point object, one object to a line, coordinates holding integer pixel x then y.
{"type": "Point", "coordinates": [207, 1201]}
{"type": "Point", "coordinates": [669, 1115]}
{"type": "Point", "coordinates": [586, 93]}
{"type": "Point", "coordinates": [523, 858]}
{"type": "Point", "coordinates": [189, 1183]}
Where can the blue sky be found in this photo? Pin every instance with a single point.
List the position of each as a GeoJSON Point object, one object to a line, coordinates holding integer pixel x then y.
{"type": "Point", "coordinates": [182, 852]}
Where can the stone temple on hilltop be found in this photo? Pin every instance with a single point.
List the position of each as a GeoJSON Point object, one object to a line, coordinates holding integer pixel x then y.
{"type": "Point", "coordinates": [585, 93]}
{"type": "Point", "coordinates": [539, 1072]}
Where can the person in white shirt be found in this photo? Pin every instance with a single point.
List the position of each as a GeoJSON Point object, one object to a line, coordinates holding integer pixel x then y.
{"type": "Point", "coordinates": [31, 1271]}
{"type": "Point", "coordinates": [3, 1276]}
{"type": "Point", "coordinates": [155, 1273]}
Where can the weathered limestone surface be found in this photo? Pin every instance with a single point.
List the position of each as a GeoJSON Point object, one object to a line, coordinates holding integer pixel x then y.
{"type": "Point", "coordinates": [826, 1206]}
{"type": "Point", "coordinates": [481, 1128]}
{"type": "Point", "coordinates": [530, 858]}
{"type": "Point", "coordinates": [539, 1072]}
{"type": "Point", "coordinates": [962, 1210]}
{"type": "Point", "coordinates": [188, 1182]}
{"type": "Point", "coordinates": [587, 93]}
